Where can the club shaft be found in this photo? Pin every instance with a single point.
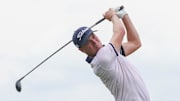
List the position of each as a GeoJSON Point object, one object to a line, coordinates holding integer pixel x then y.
{"type": "Point", "coordinates": [46, 59]}
{"type": "Point", "coordinates": [97, 22]}
{"type": "Point", "coordinates": [56, 52]}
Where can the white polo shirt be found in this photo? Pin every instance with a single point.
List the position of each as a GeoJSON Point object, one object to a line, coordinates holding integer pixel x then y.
{"type": "Point", "coordinates": [119, 75]}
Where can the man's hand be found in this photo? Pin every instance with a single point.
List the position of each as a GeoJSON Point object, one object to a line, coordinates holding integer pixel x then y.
{"type": "Point", "coordinates": [120, 11]}
{"type": "Point", "coordinates": [109, 14]}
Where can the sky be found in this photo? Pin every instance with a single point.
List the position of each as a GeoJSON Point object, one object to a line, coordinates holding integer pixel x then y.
{"type": "Point", "coordinates": [31, 30]}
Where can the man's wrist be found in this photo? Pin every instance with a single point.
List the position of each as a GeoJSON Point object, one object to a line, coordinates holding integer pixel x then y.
{"type": "Point", "coordinates": [114, 16]}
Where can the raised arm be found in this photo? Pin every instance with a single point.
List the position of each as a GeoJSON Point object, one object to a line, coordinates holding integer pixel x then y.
{"type": "Point", "coordinates": [133, 40]}
{"type": "Point", "coordinates": [118, 29]}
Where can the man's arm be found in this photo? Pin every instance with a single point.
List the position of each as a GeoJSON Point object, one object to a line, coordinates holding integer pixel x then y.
{"type": "Point", "coordinates": [133, 40]}
{"type": "Point", "coordinates": [118, 29]}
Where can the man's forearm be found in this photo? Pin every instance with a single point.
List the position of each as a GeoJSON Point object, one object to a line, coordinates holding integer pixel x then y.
{"type": "Point", "coordinates": [132, 34]}
{"type": "Point", "coordinates": [133, 40]}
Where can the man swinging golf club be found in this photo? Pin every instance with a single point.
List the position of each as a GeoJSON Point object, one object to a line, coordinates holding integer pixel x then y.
{"type": "Point", "coordinates": [109, 61]}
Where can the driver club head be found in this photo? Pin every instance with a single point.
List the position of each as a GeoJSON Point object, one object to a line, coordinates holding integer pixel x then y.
{"type": "Point", "coordinates": [18, 85]}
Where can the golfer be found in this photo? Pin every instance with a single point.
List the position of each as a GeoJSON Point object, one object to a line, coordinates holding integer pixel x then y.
{"type": "Point", "coordinates": [109, 61]}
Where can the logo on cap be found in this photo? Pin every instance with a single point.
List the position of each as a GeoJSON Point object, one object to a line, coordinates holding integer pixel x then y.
{"type": "Point", "coordinates": [81, 33]}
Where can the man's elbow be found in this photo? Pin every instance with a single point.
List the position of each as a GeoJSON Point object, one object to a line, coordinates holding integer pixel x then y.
{"type": "Point", "coordinates": [138, 44]}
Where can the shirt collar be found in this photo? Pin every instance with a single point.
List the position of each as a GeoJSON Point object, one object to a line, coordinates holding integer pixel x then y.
{"type": "Point", "coordinates": [89, 59]}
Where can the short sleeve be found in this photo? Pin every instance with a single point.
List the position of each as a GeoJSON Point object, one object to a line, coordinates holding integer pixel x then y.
{"type": "Point", "coordinates": [105, 56]}
{"type": "Point", "coordinates": [122, 52]}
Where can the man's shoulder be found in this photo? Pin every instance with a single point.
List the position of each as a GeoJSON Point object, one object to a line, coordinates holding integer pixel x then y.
{"type": "Point", "coordinates": [105, 55]}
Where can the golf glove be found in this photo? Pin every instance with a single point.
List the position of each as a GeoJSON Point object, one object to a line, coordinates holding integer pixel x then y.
{"type": "Point", "coordinates": [120, 11]}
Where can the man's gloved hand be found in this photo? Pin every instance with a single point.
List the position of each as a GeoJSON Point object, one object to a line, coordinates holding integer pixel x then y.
{"type": "Point", "coordinates": [120, 11]}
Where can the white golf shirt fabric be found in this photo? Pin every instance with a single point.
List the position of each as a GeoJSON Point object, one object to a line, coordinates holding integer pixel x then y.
{"type": "Point", "coordinates": [119, 75]}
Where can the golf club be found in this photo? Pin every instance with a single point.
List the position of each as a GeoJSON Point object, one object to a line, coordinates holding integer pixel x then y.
{"type": "Point", "coordinates": [18, 82]}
